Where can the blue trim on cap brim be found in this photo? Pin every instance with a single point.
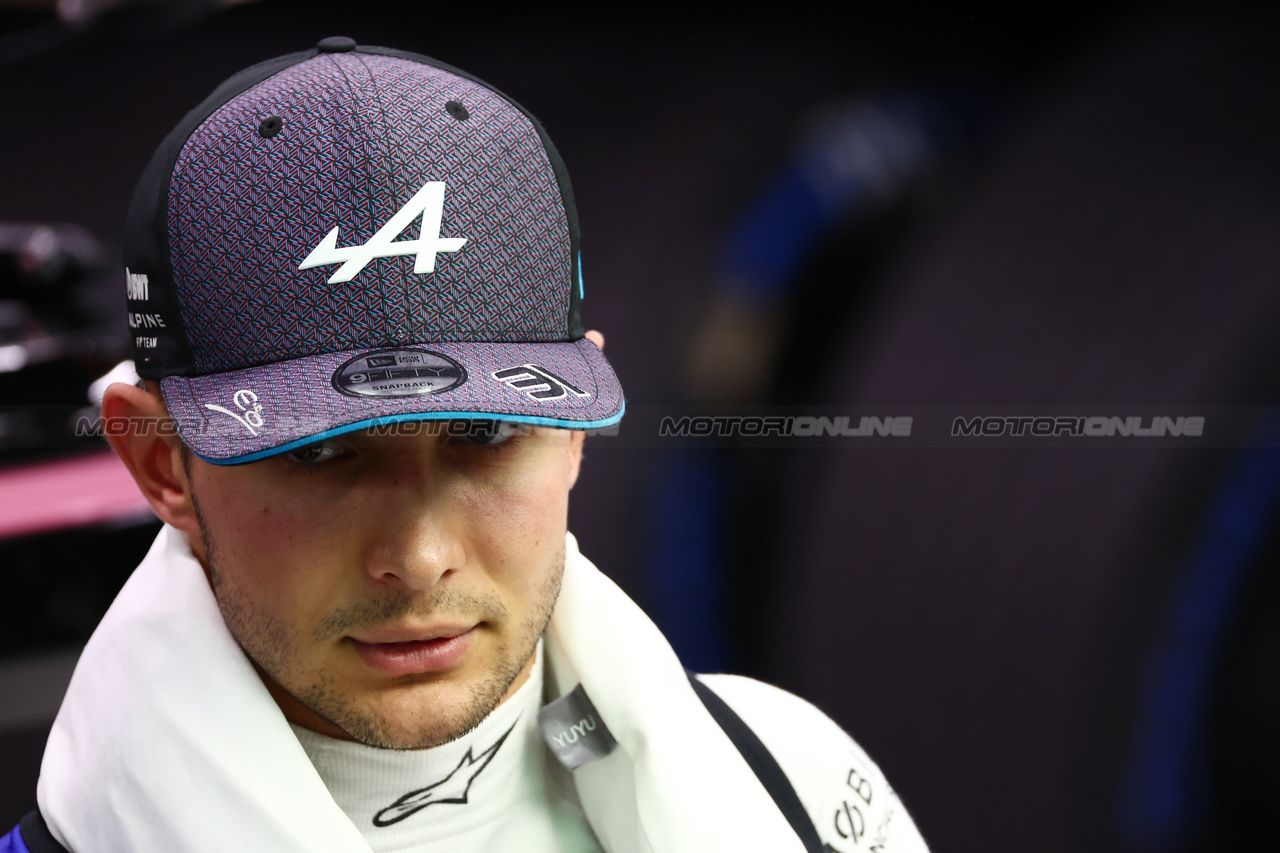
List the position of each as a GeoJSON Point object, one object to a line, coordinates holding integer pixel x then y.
{"type": "Point", "coordinates": [559, 423]}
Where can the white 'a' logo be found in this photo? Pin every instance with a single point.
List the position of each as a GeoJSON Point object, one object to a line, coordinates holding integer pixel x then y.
{"type": "Point", "coordinates": [429, 202]}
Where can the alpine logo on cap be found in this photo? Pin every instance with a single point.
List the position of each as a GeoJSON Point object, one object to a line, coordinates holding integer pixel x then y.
{"type": "Point", "coordinates": [427, 202]}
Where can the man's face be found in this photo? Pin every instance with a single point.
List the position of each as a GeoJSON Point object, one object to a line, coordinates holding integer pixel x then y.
{"type": "Point", "coordinates": [394, 586]}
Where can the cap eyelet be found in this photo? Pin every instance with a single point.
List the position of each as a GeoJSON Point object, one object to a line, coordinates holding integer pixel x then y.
{"type": "Point", "coordinates": [457, 110]}
{"type": "Point", "coordinates": [270, 126]}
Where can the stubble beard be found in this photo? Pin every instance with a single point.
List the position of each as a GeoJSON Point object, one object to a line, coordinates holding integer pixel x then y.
{"type": "Point", "coordinates": [274, 648]}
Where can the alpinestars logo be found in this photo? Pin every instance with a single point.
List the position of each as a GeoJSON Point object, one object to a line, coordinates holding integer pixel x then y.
{"type": "Point", "coordinates": [538, 382]}
{"type": "Point", "coordinates": [451, 789]}
{"type": "Point", "coordinates": [428, 203]}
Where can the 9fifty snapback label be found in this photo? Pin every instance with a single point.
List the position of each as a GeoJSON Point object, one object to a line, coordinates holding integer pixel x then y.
{"type": "Point", "coordinates": [398, 373]}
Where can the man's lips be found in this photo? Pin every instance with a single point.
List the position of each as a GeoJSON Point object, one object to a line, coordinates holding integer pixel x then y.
{"type": "Point", "coordinates": [391, 634]}
{"type": "Point", "coordinates": [413, 651]}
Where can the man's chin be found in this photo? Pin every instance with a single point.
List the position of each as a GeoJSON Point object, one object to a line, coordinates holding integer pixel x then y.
{"type": "Point", "coordinates": [411, 716]}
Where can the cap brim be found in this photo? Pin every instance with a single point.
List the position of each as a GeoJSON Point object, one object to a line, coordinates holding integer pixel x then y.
{"type": "Point", "coordinates": [245, 415]}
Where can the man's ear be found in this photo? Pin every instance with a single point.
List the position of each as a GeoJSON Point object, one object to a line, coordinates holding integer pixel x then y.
{"type": "Point", "coordinates": [575, 454]}
{"type": "Point", "coordinates": [139, 430]}
{"type": "Point", "coordinates": [578, 436]}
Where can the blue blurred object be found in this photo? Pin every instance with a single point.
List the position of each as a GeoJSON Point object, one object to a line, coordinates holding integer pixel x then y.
{"type": "Point", "coordinates": [857, 155]}
{"type": "Point", "coordinates": [684, 557]}
{"type": "Point", "coordinates": [12, 842]}
{"type": "Point", "coordinates": [1165, 797]}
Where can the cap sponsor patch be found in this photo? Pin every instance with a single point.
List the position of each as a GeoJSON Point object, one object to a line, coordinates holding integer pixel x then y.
{"type": "Point", "coordinates": [398, 373]}
{"type": "Point", "coordinates": [538, 382]}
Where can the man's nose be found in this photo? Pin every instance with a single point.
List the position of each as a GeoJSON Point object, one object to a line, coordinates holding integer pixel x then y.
{"type": "Point", "coordinates": [418, 537]}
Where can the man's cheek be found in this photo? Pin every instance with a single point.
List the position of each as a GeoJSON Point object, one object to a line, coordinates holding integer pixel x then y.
{"type": "Point", "coordinates": [272, 551]}
{"type": "Point", "coordinates": [264, 522]}
{"type": "Point", "coordinates": [528, 526]}
{"type": "Point", "coordinates": [518, 502]}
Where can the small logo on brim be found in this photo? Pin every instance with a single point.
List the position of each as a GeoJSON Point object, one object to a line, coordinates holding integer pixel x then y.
{"type": "Point", "coordinates": [398, 373]}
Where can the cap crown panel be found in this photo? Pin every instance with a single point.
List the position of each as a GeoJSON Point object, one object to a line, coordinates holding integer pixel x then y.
{"type": "Point", "coordinates": [362, 134]}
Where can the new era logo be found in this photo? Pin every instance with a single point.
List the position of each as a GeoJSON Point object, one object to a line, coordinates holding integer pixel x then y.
{"type": "Point", "coordinates": [538, 382]}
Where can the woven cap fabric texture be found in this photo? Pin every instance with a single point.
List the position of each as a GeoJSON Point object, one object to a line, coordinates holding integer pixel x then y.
{"type": "Point", "coordinates": [359, 134]}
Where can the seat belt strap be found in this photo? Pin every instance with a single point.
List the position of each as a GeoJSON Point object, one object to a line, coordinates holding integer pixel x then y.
{"type": "Point", "coordinates": [763, 764]}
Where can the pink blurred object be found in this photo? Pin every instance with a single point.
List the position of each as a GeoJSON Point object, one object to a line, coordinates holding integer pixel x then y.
{"type": "Point", "coordinates": [65, 493]}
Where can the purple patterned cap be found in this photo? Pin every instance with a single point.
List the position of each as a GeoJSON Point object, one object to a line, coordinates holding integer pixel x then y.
{"type": "Point", "coordinates": [354, 236]}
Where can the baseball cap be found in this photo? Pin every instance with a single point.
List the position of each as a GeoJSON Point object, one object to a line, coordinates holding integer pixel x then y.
{"type": "Point", "coordinates": [354, 236]}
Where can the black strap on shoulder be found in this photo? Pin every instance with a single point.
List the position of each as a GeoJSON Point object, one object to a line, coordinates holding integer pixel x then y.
{"type": "Point", "coordinates": [762, 763]}
{"type": "Point", "coordinates": [36, 834]}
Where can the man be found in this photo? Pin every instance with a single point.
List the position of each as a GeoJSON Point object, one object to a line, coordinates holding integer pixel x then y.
{"type": "Point", "coordinates": [354, 284]}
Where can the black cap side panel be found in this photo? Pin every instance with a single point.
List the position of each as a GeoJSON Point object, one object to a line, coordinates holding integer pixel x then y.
{"type": "Point", "coordinates": [574, 329]}
{"type": "Point", "coordinates": [159, 341]}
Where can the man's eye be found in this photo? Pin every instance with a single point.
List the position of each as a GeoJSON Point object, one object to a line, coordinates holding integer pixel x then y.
{"type": "Point", "coordinates": [492, 433]}
{"type": "Point", "coordinates": [313, 454]}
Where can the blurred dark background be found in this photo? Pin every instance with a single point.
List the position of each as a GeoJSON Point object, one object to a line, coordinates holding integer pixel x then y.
{"type": "Point", "coordinates": [1044, 648]}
